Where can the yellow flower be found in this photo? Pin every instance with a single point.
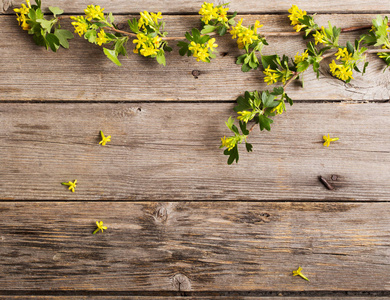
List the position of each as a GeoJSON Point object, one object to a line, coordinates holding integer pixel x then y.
{"type": "Point", "coordinates": [328, 139]}
{"type": "Point", "coordinates": [343, 54]}
{"type": "Point", "coordinates": [271, 76]}
{"type": "Point", "coordinates": [279, 109]}
{"type": "Point", "coordinates": [99, 227]}
{"type": "Point", "coordinates": [208, 12]}
{"type": "Point", "coordinates": [222, 14]}
{"type": "Point", "coordinates": [319, 37]}
{"type": "Point", "coordinates": [296, 14]}
{"type": "Point", "coordinates": [147, 46]}
{"type": "Point", "coordinates": [201, 51]}
{"type": "Point", "coordinates": [80, 26]}
{"type": "Point", "coordinates": [299, 273]}
{"type": "Point", "coordinates": [102, 38]}
{"type": "Point", "coordinates": [156, 17]}
{"type": "Point", "coordinates": [21, 17]}
{"type": "Point", "coordinates": [71, 185]}
{"type": "Point", "coordinates": [341, 71]}
{"type": "Point", "coordinates": [301, 57]}
{"type": "Point", "coordinates": [229, 142]}
{"type": "Point", "coordinates": [257, 25]}
{"type": "Point", "coordinates": [104, 139]}
{"type": "Point", "coordinates": [148, 19]}
{"type": "Point", "coordinates": [211, 44]}
{"type": "Point", "coordinates": [245, 116]}
{"type": "Point", "coordinates": [245, 36]}
{"type": "Point", "coordinates": [94, 12]}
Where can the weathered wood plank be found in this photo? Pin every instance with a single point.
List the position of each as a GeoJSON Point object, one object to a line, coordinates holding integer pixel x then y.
{"type": "Point", "coordinates": [186, 6]}
{"type": "Point", "coordinates": [215, 246]}
{"type": "Point", "coordinates": [211, 296]}
{"type": "Point", "coordinates": [167, 151]}
{"type": "Point", "coordinates": [84, 73]}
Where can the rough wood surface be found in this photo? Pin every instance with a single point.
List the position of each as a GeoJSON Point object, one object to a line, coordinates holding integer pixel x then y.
{"type": "Point", "coordinates": [167, 151]}
{"type": "Point", "coordinates": [188, 296]}
{"type": "Point", "coordinates": [187, 6]}
{"type": "Point", "coordinates": [195, 246]}
{"type": "Point", "coordinates": [84, 73]}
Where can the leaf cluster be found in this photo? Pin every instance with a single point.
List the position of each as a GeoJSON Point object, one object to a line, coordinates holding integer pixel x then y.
{"type": "Point", "coordinates": [45, 32]}
{"type": "Point", "coordinates": [249, 60]}
{"type": "Point", "coordinates": [198, 38]}
{"type": "Point", "coordinates": [280, 65]}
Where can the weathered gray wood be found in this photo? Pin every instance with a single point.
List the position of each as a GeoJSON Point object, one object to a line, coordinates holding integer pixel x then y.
{"type": "Point", "coordinates": [84, 73]}
{"type": "Point", "coordinates": [216, 246]}
{"type": "Point", "coordinates": [212, 296]}
{"type": "Point", "coordinates": [167, 151]}
{"type": "Point", "coordinates": [186, 6]}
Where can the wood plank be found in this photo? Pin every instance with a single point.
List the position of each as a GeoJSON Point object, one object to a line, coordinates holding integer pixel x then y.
{"type": "Point", "coordinates": [186, 6]}
{"type": "Point", "coordinates": [214, 246]}
{"type": "Point", "coordinates": [169, 151]}
{"type": "Point", "coordinates": [189, 297]}
{"type": "Point", "coordinates": [84, 73]}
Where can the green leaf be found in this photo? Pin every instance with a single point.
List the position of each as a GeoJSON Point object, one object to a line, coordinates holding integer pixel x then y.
{"type": "Point", "coordinates": [265, 123]}
{"type": "Point", "coordinates": [245, 68]}
{"type": "Point", "coordinates": [52, 41]}
{"type": "Point", "coordinates": [45, 24]}
{"type": "Point", "coordinates": [63, 36]}
{"type": "Point", "coordinates": [243, 128]}
{"type": "Point", "coordinates": [90, 35]}
{"type": "Point", "coordinates": [248, 147]}
{"type": "Point", "coordinates": [133, 25]}
{"type": "Point", "coordinates": [269, 60]}
{"type": "Point", "coordinates": [235, 129]}
{"type": "Point", "coordinates": [204, 39]}
{"type": "Point", "coordinates": [111, 17]}
{"type": "Point", "coordinates": [230, 123]}
{"type": "Point", "coordinates": [233, 154]}
{"type": "Point", "coordinates": [56, 10]}
{"type": "Point", "coordinates": [184, 47]}
{"type": "Point", "coordinates": [196, 35]}
{"type": "Point", "coordinates": [267, 99]}
{"type": "Point", "coordinates": [207, 29]}
{"type": "Point", "coordinates": [240, 60]}
{"type": "Point", "coordinates": [350, 48]}
{"type": "Point", "coordinates": [242, 104]}
{"type": "Point", "coordinates": [221, 30]}
{"type": "Point", "coordinates": [161, 57]}
{"type": "Point", "coordinates": [112, 55]}
{"type": "Point", "coordinates": [278, 91]}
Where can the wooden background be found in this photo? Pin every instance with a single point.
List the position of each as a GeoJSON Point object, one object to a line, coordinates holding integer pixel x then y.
{"type": "Point", "coordinates": [180, 221]}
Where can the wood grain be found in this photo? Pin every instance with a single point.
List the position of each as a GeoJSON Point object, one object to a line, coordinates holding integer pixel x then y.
{"type": "Point", "coordinates": [169, 151]}
{"type": "Point", "coordinates": [217, 246]}
{"type": "Point", "coordinates": [186, 6]}
{"type": "Point", "coordinates": [84, 73]}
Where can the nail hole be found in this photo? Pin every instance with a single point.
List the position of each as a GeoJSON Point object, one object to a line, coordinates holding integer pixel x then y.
{"type": "Point", "coordinates": [195, 73]}
{"type": "Point", "coordinates": [139, 108]}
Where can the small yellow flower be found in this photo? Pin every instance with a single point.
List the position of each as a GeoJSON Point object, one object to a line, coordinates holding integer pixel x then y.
{"type": "Point", "coordinates": [319, 37]}
{"type": "Point", "coordinates": [279, 108]}
{"type": "Point", "coordinates": [296, 14]}
{"type": "Point", "coordinates": [271, 76]}
{"type": "Point", "coordinates": [21, 14]}
{"type": "Point", "coordinates": [299, 273]}
{"type": "Point", "coordinates": [328, 139]}
{"type": "Point", "coordinates": [344, 55]}
{"type": "Point", "coordinates": [301, 57]}
{"type": "Point", "coordinates": [102, 38]}
{"type": "Point", "coordinates": [80, 26]}
{"type": "Point", "coordinates": [245, 36]}
{"type": "Point", "coordinates": [104, 139]}
{"type": "Point", "coordinates": [208, 12]}
{"type": "Point", "coordinates": [71, 185]}
{"type": "Point", "coordinates": [245, 116]}
{"type": "Point", "coordinates": [94, 12]}
{"type": "Point", "coordinates": [229, 142]}
{"type": "Point", "coordinates": [341, 71]}
{"type": "Point", "coordinates": [99, 227]}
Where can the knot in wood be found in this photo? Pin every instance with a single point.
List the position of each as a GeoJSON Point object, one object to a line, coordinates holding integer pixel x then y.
{"type": "Point", "coordinates": [181, 282]}
{"type": "Point", "coordinates": [195, 73]}
{"type": "Point", "coordinates": [161, 214]}
{"type": "Point", "coordinates": [6, 5]}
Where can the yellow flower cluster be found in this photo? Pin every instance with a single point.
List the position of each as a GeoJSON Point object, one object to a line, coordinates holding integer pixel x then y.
{"type": "Point", "coordinates": [102, 38]}
{"type": "Point", "coordinates": [344, 55]}
{"type": "Point", "coordinates": [319, 37]}
{"type": "Point", "coordinates": [209, 12]}
{"type": "Point", "coordinates": [202, 51]}
{"type": "Point", "coordinates": [245, 116]}
{"type": "Point", "coordinates": [21, 17]}
{"type": "Point", "coordinates": [148, 19]}
{"type": "Point", "coordinates": [341, 71]}
{"type": "Point", "coordinates": [94, 12]}
{"type": "Point", "coordinates": [71, 185]}
{"type": "Point", "coordinates": [80, 26]}
{"type": "Point", "coordinates": [245, 36]}
{"type": "Point", "coordinates": [146, 45]}
{"type": "Point", "coordinates": [229, 142]}
{"type": "Point", "coordinates": [301, 57]}
{"type": "Point", "coordinates": [296, 14]}
{"type": "Point", "coordinates": [271, 76]}
{"type": "Point", "coordinates": [279, 109]}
